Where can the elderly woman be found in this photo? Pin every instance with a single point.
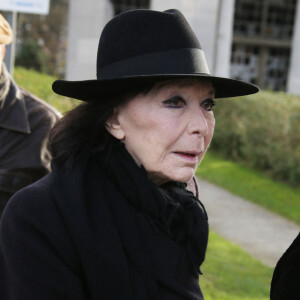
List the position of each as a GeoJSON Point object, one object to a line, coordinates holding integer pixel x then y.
{"type": "Point", "coordinates": [115, 219]}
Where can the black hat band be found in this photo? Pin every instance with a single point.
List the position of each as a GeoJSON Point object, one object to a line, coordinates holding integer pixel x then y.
{"type": "Point", "coordinates": [179, 61]}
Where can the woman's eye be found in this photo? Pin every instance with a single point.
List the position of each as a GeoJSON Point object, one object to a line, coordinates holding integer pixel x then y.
{"type": "Point", "coordinates": [175, 102]}
{"type": "Point", "coordinates": [208, 104]}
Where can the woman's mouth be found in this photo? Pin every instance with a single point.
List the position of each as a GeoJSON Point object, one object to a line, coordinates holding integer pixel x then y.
{"type": "Point", "coordinates": [188, 156]}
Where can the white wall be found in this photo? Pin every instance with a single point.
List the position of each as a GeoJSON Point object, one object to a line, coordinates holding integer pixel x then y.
{"type": "Point", "coordinates": [294, 72]}
{"type": "Point", "coordinates": [223, 38]}
{"type": "Point", "coordinates": [86, 21]}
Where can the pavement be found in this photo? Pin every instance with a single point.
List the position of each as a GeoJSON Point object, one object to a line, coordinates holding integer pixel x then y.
{"type": "Point", "coordinates": [259, 232]}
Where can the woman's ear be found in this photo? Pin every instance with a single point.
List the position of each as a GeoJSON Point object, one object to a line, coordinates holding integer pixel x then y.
{"type": "Point", "coordinates": [113, 125]}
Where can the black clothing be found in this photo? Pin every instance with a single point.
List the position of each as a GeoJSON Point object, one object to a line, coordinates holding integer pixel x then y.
{"type": "Point", "coordinates": [25, 122]}
{"type": "Point", "coordinates": [286, 278]}
{"type": "Point", "coordinates": [102, 231]}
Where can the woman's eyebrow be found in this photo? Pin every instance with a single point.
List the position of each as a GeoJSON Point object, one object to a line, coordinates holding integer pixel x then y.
{"type": "Point", "coordinates": [211, 93]}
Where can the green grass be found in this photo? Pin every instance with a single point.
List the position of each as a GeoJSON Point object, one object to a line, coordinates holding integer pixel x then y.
{"type": "Point", "coordinates": [40, 85]}
{"type": "Point", "coordinates": [251, 185]}
{"type": "Point", "coordinates": [231, 274]}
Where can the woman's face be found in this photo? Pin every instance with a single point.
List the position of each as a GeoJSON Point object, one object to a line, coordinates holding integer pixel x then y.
{"type": "Point", "coordinates": [169, 129]}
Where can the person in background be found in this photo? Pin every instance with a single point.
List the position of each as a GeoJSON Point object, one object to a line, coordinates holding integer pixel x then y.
{"type": "Point", "coordinates": [25, 121]}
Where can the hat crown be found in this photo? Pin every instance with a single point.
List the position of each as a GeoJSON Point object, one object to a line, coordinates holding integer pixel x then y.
{"type": "Point", "coordinates": [140, 47]}
{"type": "Point", "coordinates": [139, 32]}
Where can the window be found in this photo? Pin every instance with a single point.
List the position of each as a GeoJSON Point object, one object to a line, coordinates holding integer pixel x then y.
{"type": "Point", "coordinates": [263, 31]}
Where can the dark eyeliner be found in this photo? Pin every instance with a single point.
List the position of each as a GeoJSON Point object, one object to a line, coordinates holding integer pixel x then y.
{"type": "Point", "coordinates": [211, 101]}
{"type": "Point", "coordinates": [174, 102]}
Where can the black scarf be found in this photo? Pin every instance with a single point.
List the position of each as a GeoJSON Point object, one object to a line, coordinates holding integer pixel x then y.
{"type": "Point", "coordinates": [104, 192]}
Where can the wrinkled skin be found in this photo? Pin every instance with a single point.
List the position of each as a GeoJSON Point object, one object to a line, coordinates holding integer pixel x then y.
{"type": "Point", "coordinates": [168, 129]}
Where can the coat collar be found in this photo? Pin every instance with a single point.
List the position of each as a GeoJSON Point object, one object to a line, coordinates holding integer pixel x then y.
{"type": "Point", "coordinates": [13, 112]}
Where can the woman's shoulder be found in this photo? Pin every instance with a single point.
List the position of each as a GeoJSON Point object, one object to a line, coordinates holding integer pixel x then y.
{"type": "Point", "coordinates": [33, 199]}
{"type": "Point", "coordinates": [37, 254]}
{"type": "Point", "coordinates": [32, 219]}
{"type": "Point", "coordinates": [286, 277]}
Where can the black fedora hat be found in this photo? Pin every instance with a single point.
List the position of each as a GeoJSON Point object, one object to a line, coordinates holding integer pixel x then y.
{"type": "Point", "coordinates": [142, 46]}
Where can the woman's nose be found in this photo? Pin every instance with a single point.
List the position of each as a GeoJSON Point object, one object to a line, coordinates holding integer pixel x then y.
{"type": "Point", "coordinates": [198, 123]}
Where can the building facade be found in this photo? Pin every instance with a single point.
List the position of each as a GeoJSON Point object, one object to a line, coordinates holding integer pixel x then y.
{"type": "Point", "coordinates": [252, 40]}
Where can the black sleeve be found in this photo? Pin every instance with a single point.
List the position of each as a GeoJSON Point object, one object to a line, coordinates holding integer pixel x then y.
{"type": "Point", "coordinates": [4, 197]}
{"type": "Point", "coordinates": [37, 257]}
{"type": "Point", "coordinates": [286, 278]}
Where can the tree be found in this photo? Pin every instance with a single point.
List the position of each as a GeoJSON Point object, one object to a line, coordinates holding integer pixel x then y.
{"type": "Point", "coordinates": [42, 39]}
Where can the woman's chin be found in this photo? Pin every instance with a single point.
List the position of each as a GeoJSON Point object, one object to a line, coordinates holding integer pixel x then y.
{"type": "Point", "coordinates": [182, 176]}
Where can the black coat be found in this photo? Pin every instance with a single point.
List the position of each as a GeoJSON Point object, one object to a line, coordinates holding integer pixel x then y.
{"type": "Point", "coordinates": [286, 277]}
{"type": "Point", "coordinates": [25, 122]}
{"type": "Point", "coordinates": [53, 245]}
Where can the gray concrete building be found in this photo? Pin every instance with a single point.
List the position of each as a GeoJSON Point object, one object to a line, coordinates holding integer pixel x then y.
{"type": "Point", "coordinates": [252, 40]}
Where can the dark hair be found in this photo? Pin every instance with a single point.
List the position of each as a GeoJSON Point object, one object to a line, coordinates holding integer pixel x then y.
{"type": "Point", "coordinates": [82, 130]}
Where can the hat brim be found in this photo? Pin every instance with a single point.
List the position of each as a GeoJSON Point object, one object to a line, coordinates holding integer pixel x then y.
{"type": "Point", "coordinates": [87, 90]}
